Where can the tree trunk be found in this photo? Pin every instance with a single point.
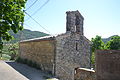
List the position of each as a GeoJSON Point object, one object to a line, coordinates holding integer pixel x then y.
{"type": "Point", "coordinates": [0, 54]}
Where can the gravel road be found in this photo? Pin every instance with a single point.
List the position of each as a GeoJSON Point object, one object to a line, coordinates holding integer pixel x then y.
{"type": "Point", "coordinates": [16, 71]}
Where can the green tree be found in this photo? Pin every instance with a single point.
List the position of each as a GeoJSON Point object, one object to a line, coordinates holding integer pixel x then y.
{"type": "Point", "coordinates": [11, 18]}
{"type": "Point", "coordinates": [114, 43]}
{"type": "Point", "coordinates": [1, 47]}
{"type": "Point", "coordinates": [97, 43]}
{"type": "Point", "coordinates": [13, 50]}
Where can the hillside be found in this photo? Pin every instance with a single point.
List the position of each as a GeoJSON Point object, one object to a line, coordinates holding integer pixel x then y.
{"type": "Point", "coordinates": [107, 39]}
{"type": "Point", "coordinates": [26, 34]}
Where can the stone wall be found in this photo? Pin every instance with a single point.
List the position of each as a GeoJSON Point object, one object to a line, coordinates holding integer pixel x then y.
{"type": "Point", "coordinates": [72, 51]}
{"type": "Point", "coordinates": [64, 53]}
{"type": "Point", "coordinates": [84, 74]}
{"type": "Point", "coordinates": [40, 51]}
{"type": "Point", "coordinates": [72, 48]}
{"type": "Point", "coordinates": [74, 22]}
{"type": "Point", "coordinates": [108, 64]}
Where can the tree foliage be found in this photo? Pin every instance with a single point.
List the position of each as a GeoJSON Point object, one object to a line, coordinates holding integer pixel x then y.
{"type": "Point", "coordinates": [114, 43]}
{"type": "Point", "coordinates": [97, 43]}
{"type": "Point", "coordinates": [11, 17]}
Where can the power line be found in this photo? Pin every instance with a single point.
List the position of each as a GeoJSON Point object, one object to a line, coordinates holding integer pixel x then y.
{"type": "Point", "coordinates": [31, 5]}
{"type": "Point", "coordinates": [38, 23]}
{"type": "Point", "coordinates": [39, 9]}
{"type": "Point", "coordinates": [28, 25]}
{"type": "Point", "coordinates": [22, 37]}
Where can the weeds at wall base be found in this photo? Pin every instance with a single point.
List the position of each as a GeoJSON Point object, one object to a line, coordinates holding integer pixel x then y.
{"type": "Point", "coordinates": [31, 64]}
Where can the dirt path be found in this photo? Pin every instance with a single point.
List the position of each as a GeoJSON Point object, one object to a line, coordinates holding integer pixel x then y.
{"type": "Point", "coordinates": [17, 71]}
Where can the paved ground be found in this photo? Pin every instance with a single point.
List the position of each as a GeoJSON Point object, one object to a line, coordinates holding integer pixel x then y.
{"type": "Point", "coordinates": [17, 71]}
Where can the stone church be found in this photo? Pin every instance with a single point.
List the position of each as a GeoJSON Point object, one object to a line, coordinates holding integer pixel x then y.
{"type": "Point", "coordinates": [63, 53]}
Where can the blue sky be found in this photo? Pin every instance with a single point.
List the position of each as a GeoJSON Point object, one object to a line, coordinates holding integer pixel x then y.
{"type": "Point", "coordinates": [101, 17]}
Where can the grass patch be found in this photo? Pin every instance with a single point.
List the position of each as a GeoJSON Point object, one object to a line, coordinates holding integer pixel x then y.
{"type": "Point", "coordinates": [5, 57]}
{"type": "Point", "coordinates": [9, 51]}
{"type": "Point", "coordinates": [28, 62]}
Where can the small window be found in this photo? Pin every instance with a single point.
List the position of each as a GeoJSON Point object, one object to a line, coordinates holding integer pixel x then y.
{"type": "Point", "coordinates": [77, 46]}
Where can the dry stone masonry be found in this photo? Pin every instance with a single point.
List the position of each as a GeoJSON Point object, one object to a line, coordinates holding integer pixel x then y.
{"type": "Point", "coordinates": [40, 51]}
{"type": "Point", "coordinates": [60, 54]}
{"type": "Point", "coordinates": [84, 74]}
{"type": "Point", "coordinates": [72, 48]}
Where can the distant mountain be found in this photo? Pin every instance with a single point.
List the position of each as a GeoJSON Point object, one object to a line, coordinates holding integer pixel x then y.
{"type": "Point", "coordinates": [105, 40]}
{"type": "Point", "coordinates": [26, 34]}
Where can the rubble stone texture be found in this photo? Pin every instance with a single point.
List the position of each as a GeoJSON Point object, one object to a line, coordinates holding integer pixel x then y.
{"type": "Point", "coordinates": [39, 51]}
{"type": "Point", "coordinates": [72, 48]}
{"type": "Point", "coordinates": [84, 74]}
{"type": "Point", "coordinates": [63, 53]}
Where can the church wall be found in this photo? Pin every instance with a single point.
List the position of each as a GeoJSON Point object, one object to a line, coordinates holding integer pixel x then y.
{"type": "Point", "coordinates": [42, 52]}
{"type": "Point", "coordinates": [72, 48]}
{"type": "Point", "coordinates": [72, 51]}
